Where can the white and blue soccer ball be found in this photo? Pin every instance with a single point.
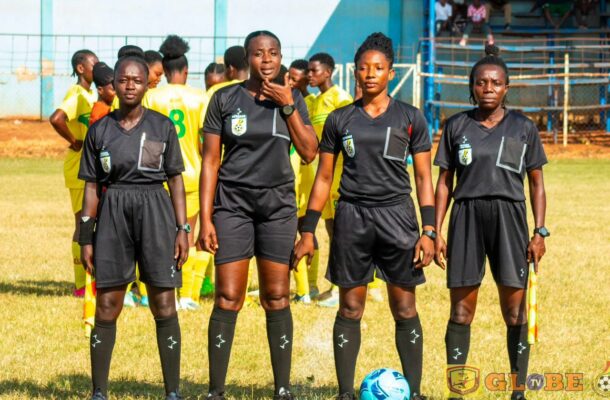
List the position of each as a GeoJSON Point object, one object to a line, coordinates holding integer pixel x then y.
{"type": "Point", "coordinates": [385, 383]}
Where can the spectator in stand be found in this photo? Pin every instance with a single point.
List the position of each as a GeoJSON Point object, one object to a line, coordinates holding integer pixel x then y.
{"type": "Point", "coordinates": [477, 18]}
{"type": "Point", "coordinates": [443, 13]}
{"type": "Point", "coordinates": [582, 10]}
{"type": "Point", "coordinates": [459, 8]}
{"type": "Point", "coordinates": [500, 5]}
{"type": "Point", "coordinates": [560, 8]}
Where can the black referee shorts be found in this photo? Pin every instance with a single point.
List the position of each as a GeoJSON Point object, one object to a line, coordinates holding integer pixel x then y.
{"type": "Point", "coordinates": [258, 222]}
{"type": "Point", "coordinates": [495, 228]}
{"type": "Point", "coordinates": [135, 223]}
{"type": "Point", "coordinates": [365, 238]}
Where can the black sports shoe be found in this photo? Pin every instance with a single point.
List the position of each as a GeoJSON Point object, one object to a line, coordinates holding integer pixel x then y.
{"type": "Point", "coordinates": [417, 396]}
{"type": "Point", "coordinates": [173, 396]}
{"type": "Point", "coordinates": [284, 395]}
{"type": "Point", "coordinates": [346, 396]}
{"type": "Point", "coordinates": [97, 395]}
{"type": "Point", "coordinates": [517, 396]}
{"type": "Point", "coordinates": [215, 397]}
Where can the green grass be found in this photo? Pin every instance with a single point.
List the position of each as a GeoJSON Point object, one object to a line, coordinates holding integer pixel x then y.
{"type": "Point", "coordinates": [45, 355]}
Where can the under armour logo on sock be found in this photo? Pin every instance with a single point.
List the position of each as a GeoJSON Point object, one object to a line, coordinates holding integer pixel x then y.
{"type": "Point", "coordinates": [520, 348]}
{"type": "Point", "coordinates": [457, 353]}
{"type": "Point", "coordinates": [172, 342]}
{"type": "Point", "coordinates": [415, 336]}
{"type": "Point", "coordinates": [220, 341]}
{"type": "Point", "coordinates": [285, 342]}
{"type": "Point", "coordinates": [343, 340]}
{"type": "Point", "coordinates": [95, 341]}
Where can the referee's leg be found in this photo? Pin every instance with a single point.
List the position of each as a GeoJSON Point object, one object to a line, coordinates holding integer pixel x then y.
{"type": "Point", "coordinates": [457, 337]}
{"type": "Point", "coordinates": [231, 283]}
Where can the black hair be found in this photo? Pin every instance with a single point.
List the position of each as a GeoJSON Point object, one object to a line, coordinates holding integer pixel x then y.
{"type": "Point", "coordinates": [379, 42]}
{"type": "Point", "coordinates": [492, 57]}
{"type": "Point", "coordinates": [255, 34]}
{"type": "Point", "coordinates": [214, 68]}
{"type": "Point", "coordinates": [279, 79]}
{"type": "Point", "coordinates": [174, 49]}
{"type": "Point", "coordinates": [324, 58]}
{"type": "Point", "coordinates": [235, 56]}
{"type": "Point", "coordinates": [102, 74]}
{"type": "Point", "coordinates": [78, 58]}
{"type": "Point", "coordinates": [137, 59]}
{"type": "Point", "coordinates": [130, 50]}
{"type": "Point", "coordinates": [301, 65]}
{"type": "Point", "coordinates": [152, 56]}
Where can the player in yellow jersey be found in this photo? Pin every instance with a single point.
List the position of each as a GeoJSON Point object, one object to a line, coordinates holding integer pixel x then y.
{"type": "Point", "coordinates": [297, 77]}
{"type": "Point", "coordinates": [214, 74]}
{"type": "Point", "coordinates": [331, 97]}
{"type": "Point", "coordinates": [71, 121]}
{"type": "Point", "coordinates": [184, 105]}
{"type": "Point", "coordinates": [155, 67]}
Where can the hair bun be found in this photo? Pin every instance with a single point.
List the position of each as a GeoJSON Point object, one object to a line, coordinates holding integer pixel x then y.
{"type": "Point", "coordinates": [174, 47]}
{"type": "Point", "coordinates": [492, 50]}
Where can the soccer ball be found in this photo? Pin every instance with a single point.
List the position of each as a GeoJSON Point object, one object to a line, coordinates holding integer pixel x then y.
{"type": "Point", "coordinates": [385, 383]}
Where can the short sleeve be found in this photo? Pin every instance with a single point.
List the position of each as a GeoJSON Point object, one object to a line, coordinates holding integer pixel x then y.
{"type": "Point", "coordinates": [534, 156]}
{"type": "Point", "coordinates": [420, 139]}
{"type": "Point", "coordinates": [213, 116]}
{"type": "Point", "coordinates": [173, 163]}
{"type": "Point", "coordinates": [70, 105]}
{"type": "Point", "coordinates": [444, 153]}
{"type": "Point", "coordinates": [299, 104]}
{"type": "Point", "coordinates": [88, 160]}
{"type": "Point", "coordinates": [329, 142]}
{"type": "Point", "coordinates": [470, 11]}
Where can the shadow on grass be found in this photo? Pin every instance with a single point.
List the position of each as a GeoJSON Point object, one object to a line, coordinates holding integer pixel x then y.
{"type": "Point", "coordinates": [78, 386]}
{"type": "Point", "coordinates": [37, 288]}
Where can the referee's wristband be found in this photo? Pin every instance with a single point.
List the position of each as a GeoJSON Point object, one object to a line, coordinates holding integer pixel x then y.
{"type": "Point", "coordinates": [427, 215]}
{"type": "Point", "coordinates": [310, 221]}
{"type": "Point", "coordinates": [86, 231]}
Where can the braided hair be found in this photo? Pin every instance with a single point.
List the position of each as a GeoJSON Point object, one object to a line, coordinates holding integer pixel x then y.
{"type": "Point", "coordinates": [492, 57]}
{"type": "Point", "coordinates": [379, 42]}
{"type": "Point", "coordinates": [78, 58]}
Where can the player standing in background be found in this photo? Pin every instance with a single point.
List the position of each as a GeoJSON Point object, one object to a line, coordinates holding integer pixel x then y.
{"type": "Point", "coordinates": [491, 149]}
{"type": "Point", "coordinates": [376, 222]}
{"type": "Point", "coordinates": [71, 121]}
{"type": "Point", "coordinates": [184, 105]}
{"type": "Point", "coordinates": [331, 97]}
{"type": "Point", "coordinates": [214, 74]}
{"type": "Point", "coordinates": [248, 206]}
{"type": "Point", "coordinates": [304, 282]}
{"type": "Point", "coordinates": [155, 67]}
{"type": "Point", "coordinates": [103, 77]}
{"type": "Point", "coordinates": [131, 153]}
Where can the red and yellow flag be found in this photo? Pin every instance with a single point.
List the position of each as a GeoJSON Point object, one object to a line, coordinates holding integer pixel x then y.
{"type": "Point", "coordinates": [532, 306]}
{"type": "Point", "coordinates": [89, 307]}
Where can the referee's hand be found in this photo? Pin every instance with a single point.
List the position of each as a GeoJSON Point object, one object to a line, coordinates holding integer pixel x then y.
{"type": "Point", "coordinates": [424, 252]}
{"type": "Point", "coordinates": [535, 250]}
{"type": "Point", "coordinates": [181, 248]}
{"type": "Point", "coordinates": [279, 94]}
{"type": "Point", "coordinates": [304, 247]}
{"type": "Point", "coordinates": [440, 251]}
{"type": "Point", "coordinates": [86, 256]}
{"type": "Point", "coordinates": [207, 238]}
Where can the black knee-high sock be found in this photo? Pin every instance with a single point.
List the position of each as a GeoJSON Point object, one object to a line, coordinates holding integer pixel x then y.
{"type": "Point", "coordinates": [457, 343]}
{"type": "Point", "coordinates": [346, 345]}
{"type": "Point", "coordinates": [220, 340]}
{"type": "Point", "coordinates": [279, 335]}
{"type": "Point", "coordinates": [410, 345]}
{"type": "Point", "coordinates": [169, 343]}
{"type": "Point", "coordinates": [518, 353]}
{"type": "Point", "coordinates": [102, 341]}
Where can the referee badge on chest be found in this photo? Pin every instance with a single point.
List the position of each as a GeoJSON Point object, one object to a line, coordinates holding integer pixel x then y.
{"type": "Point", "coordinates": [239, 123]}
{"type": "Point", "coordinates": [465, 152]}
{"type": "Point", "coordinates": [106, 160]}
{"type": "Point", "coordinates": [348, 144]}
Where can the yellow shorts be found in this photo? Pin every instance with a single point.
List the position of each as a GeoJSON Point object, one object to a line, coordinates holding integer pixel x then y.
{"type": "Point", "coordinates": [76, 198]}
{"type": "Point", "coordinates": [192, 203]}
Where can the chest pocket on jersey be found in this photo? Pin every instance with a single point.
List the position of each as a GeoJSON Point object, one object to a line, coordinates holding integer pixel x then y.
{"type": "Point", "coordinates": [151, 155]}
{"type": "Point", "coordinates": [511, 154]}
{"type": "Point", "coordinates": [396, 147]}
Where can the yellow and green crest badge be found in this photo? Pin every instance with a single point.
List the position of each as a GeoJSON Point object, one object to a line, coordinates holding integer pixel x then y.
{"type": "Point", "coordinates": [106, 160]}
{"type": "Point", "coordinates": [348, 144]}
{"type": "Point", "coordinates": [465, 152]}
{"type": "Point", "coordinates": [463, 380]}
{"type": "Point", "coordinates": [239, 123]}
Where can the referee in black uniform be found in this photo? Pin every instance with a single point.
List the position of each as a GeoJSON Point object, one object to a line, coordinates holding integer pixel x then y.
{"type": "Point", "coordinates": [376, 222]}
{"type": "Point", "coordinates": [127, 156]}
{"type": "Point", "coordinates": [490, 149]}
{"type": "Point", "coordinates": [248, 205]}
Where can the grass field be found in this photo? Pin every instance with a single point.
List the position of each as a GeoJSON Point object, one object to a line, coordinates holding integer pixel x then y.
{"type": "Point", "coordinates": [45, 355]}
